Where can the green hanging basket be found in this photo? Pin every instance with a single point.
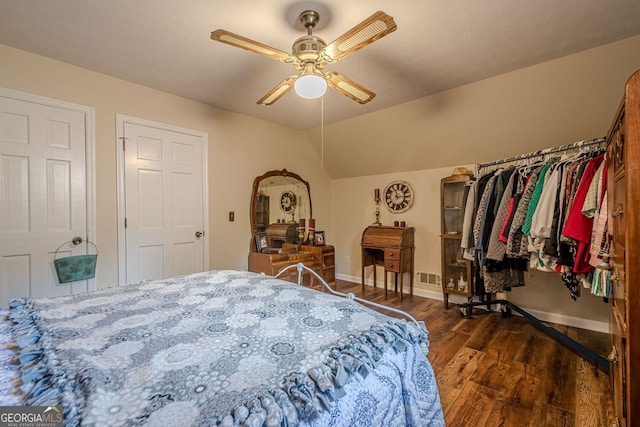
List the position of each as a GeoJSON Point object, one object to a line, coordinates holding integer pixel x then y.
{"type": "Point", "coordinates": [77, 267]}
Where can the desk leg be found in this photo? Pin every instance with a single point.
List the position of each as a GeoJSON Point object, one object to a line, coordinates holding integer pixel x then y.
{"type": "Point", "coordinates": [412, 271]}
{"type": "Point", "coordinates": [363, 275]}
{"type": "Point", "coordinates": [385, 283]}
{"type": "Point", "coordinates": [411, 283]}
{"type": "Point", "coordinates": [395, 283]}
{"type": "Point", "coordinates": [401, 286]}
{"type": "Point", "coordinates": [375, 279]}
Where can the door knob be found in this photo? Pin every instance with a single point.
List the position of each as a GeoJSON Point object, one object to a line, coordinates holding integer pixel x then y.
{"type": "Point", "coordinates": [199, 234]}
{"type": "Point", "coordinates": [76, 240]}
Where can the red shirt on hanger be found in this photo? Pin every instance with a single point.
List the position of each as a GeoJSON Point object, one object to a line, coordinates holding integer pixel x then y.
{"type": "Point", "coordinates": [578, 226]}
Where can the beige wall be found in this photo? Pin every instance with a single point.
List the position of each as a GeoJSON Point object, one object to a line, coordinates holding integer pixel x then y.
{"type": "Point", "coordinates": [546, 105]}
{"type": "Point", "coordinates": [551, 104]}
{"type": "Point", "coordinates": [240, 148]}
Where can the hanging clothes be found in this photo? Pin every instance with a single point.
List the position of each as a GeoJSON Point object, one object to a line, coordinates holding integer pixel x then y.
{"type": "Point", "coordinates": [578, 226]}
{"type": "Point", "coordinates": [466, 243]}
{"type": "Point", "coordinates": [550, 215]}
{"type": "Point", "coordinates": [518, 189]}
{"type": "Point", "coordinates": [498, 271]}
{"type": "Point", "coordinates": [497, 248]}
{"type": "Point", "coordinates": [516, 238]}
{"type": "Point", "coordinates": [542, 221]}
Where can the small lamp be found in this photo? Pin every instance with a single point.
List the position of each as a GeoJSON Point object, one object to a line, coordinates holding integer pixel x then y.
{"type": "Point", "coordinates": [310, 85]}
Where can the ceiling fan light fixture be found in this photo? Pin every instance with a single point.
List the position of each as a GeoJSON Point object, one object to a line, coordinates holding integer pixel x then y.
{"type": "Point", "coordinates": [310, 85]}
{"type": "Point", "coordinates": [310, 55]}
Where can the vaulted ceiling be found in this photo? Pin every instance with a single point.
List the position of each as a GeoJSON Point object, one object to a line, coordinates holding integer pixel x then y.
{"type": "Point", "coordinates": [439, 45]}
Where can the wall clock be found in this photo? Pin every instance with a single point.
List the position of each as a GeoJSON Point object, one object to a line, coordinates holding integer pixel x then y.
{"type": "Point", "coordinates": [398, 196]}
{"type": "Point", "coordinates": [288, 201]}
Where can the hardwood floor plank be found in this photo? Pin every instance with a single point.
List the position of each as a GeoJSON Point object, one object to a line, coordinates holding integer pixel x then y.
{"type": "Point", "coordinates": [553, 416]}
{"type": "Point", "coordinates": [591, 395]}
{"type": "Point", "coordinates": [562, 393]}
{"type": "Point", "coordinates": [498, 414]}
{"type": "Point", "coordinates": [534, 353]}
{"type": "Point", "coordinates": [481, 337]}
{"type": "Point", "coordinates": [473, 406]}
{"type": "Point", "coordinates": [499, 376]}
{"type": "Point", "coordinates": [443, 354]}
{"type": "Point", "coordinates": [470, 326]}
{"type": "Point", "coordinates": [452, 378]}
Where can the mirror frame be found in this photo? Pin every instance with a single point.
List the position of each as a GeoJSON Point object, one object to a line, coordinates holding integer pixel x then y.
{"type": "Point", "coordinates": [256, 183]}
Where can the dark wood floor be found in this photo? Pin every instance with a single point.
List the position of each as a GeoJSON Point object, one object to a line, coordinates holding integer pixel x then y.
{"type": "Point", "coordinates": [495, 371]}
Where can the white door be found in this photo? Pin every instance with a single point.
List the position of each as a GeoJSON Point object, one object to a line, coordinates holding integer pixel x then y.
{"type": "Point", "coordinates": [164, 202]}
{"type": "Point", "coordinates": [43, 193]}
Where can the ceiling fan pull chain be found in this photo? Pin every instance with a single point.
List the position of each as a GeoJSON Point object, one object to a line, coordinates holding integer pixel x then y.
{"type": "Point", "coordinates": [322, 131]}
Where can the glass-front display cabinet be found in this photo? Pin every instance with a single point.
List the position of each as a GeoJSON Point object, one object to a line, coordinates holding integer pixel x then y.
{"type": "Point", "coordinates": [457, 274]}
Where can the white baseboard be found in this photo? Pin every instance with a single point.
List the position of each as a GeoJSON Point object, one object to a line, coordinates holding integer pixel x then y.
{"type": "Point", "coordinates": [559, 319]}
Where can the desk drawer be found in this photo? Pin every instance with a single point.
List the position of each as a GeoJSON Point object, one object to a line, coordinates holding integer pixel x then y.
{"type": "Point", "coordinates": [392, 254]}
{"type": "Point", "coordinates": [329, 260]}
{"type": "Point", "coordinates": [329, 275]}
{"type": "Point", "coordinates": [392, 265]}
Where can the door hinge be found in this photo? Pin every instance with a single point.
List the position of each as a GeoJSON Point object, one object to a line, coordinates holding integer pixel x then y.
{"type": "Point", "coordinates": [125, 223]}
{"type": "Point", "coordinates": [124, 143]}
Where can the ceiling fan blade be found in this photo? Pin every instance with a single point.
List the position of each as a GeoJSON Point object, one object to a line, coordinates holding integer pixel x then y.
{"type": "Point", "coordinates": [276, 93]}
{"type": "Point", "coordinates": [349, 88]}
{"type": "Point", "coordinates": [371, 29]}
{"type": "Point", "coordinates": [236, 40]}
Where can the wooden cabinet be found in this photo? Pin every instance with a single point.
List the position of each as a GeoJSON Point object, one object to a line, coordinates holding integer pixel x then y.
{"type": "Point", "coordinates": [623, 191]}
{"type": "Point", "coordinates": [457, 275]}
{"type": "Point", "coordinates": [392, 248]}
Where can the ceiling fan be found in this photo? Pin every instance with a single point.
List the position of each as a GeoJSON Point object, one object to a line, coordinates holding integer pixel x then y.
{"type": "Point", "coordinates": [310, 55]}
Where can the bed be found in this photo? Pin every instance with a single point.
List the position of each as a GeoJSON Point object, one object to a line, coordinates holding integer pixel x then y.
{"type": "Point", "coordinates": [217, 348]}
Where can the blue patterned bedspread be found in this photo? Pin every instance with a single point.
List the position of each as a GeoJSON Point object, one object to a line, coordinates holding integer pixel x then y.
{"type": "Point", "coordinates": [222, 348]}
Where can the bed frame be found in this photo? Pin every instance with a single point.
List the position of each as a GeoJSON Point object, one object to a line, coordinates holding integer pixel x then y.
{"type": "Point", "coordinates": [301, 267]}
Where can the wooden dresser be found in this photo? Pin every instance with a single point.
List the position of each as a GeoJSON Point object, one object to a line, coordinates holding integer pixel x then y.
{"type": "Point", "coordinates": [320, 259]}
{"type": "Point", "coordinates": [392, 248]}
{"type": "Point", "coordinates": [623, 193]}
{"type": "Point", "coordinates": [326, 256]}
{"type": "Point", "coordinates": [271, 264]}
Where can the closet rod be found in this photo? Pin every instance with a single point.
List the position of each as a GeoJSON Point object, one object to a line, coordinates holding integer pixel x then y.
{"type": "Point", "coordinates": [544, 152]}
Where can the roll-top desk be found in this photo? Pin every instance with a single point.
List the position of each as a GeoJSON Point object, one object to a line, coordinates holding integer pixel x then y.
{"type": "Point", "coordinates": [392, 248]}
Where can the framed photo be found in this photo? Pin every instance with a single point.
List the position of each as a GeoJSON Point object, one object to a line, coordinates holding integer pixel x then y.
{"type": "Point", "coordinates": [319, 240]}
{"type": "Point", "coordinates": [261, 241]}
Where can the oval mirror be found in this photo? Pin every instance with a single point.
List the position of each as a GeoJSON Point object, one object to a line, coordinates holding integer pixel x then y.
{"type": "Point", "coordinates": [279, 196]}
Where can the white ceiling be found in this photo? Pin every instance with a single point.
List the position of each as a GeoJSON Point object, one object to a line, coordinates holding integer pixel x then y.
{"type": "Point", "coordinates": [439, 44]}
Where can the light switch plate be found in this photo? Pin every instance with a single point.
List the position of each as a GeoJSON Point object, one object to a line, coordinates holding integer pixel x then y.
{"type": "Point", "coordinates": [232, 216]}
